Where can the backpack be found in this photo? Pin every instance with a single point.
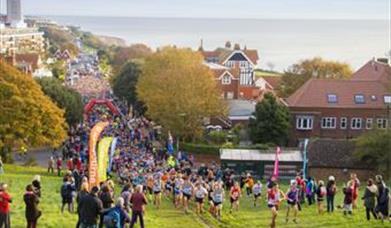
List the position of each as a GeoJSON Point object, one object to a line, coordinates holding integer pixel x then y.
{"type": "Point", "coordinates": [323, 191]}
{"type": "Point", "coordinates": [112, 219]}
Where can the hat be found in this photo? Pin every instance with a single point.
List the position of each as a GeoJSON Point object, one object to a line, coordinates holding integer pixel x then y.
{"type": "Point", "coordinates": [293, 182]}
{"type": "Point", "coordinates": [331, 178]}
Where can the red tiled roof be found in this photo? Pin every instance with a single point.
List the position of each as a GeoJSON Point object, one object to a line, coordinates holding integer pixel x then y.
{"type": "Point", "coordinates": [314, 94]}
{"type": "Point", "coordinates": [28, 58]}
{"type": "Point", "coordinates": [272, 81]}
{"type": "Point", "coordinates": [373, 71]}
{"type": "Point", "coordinates": [252, 55]}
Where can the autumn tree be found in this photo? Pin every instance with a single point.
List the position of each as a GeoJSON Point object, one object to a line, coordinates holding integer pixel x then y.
{"type": "Point", "coordinates": [271, 122]}
{"type": "Point", "coordinates": [121, 55]}
{"type": "Point", "coordinates": [317, 67]}
{"type": "Point", "coordinates": [179, 91]}
{"type": "Point", "coordinates": [65, 98]}
{"type": "Point", "coordinates": [374, 148]}
{"type": "Point", "coordinates": [27, 116]}
{"type": "Point", "coordinates": [124, 85]}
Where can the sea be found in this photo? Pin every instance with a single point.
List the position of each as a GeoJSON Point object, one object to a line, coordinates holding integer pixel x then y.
{"type": "Point", "coordinates": [280, 42]}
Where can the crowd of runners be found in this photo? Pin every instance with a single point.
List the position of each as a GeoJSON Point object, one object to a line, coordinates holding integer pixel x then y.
{"type": "Point", "coordinates": [146, 171]}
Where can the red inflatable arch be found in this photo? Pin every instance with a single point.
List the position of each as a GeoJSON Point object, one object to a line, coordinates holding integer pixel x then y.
{"type": "Point", "coordinates": [90, 105]}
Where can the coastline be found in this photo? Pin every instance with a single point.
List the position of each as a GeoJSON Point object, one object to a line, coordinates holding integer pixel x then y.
{"type": "Point", "coordinates": [111, 40]}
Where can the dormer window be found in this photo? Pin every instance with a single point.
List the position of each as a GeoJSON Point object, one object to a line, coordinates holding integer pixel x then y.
{"type": "Point", "coordinates": [359, 99]}
{"type": "Point", "coordinates": [226, 80]}
{"type": "Point", "coordinates": [332, 98]}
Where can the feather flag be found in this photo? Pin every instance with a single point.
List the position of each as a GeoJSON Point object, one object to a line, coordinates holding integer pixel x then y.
{"type": "Point", "coordinates": [170, 142]}
{"type": "Point", "coordinates": [276, 163]}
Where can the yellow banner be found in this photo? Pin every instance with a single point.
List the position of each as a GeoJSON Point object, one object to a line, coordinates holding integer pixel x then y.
{"type": "Point", "coordinates": [103, 157]}
{"type": "Point", "coordinates": [93, 163]}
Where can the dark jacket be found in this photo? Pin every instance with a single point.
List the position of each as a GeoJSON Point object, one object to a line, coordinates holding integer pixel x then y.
{"type": "Point", "coordinates": [37, 187]}
{"type": "Point", "coordinates": [32, 212]}
{"type": "Point", "coordinates": [107, 199]}
{"type": "Point", "coordinates": [370, 196]}
{"type": "Point", "coordinates": [348, 199]}
{"type": "Point", "coordinates": [90, 207]}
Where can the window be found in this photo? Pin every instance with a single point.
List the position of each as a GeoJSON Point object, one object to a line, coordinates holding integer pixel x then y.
{"type": "Point", "coordinates": [332, 98]}
{"type": "Point", "coordinates": [230, 64]}
{"type": "Point", "coordinates": [387, 99]}
{"type": "Point", "coordinates": [382, 123]}
{"type": "Point", "coordinates": [369, 123]}
{"type": "Point", "coordinates": [344, 123]}
{"type": "Point", "coordinates": [230, 95]}
{"type": "Point", "coordinates": [329, 122]}
{"type": "Point", "coordinates": [359, 99]}
{"type": "Point", "coordinates": [304, 122]}
{"type": "Point", "coordinates": [243, 64]}
{"type": "Point", "coordinates": [226, 80]}
{"type": "Point", "coordinates": [356, 123]}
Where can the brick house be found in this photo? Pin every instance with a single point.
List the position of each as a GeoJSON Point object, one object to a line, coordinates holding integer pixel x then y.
{"type": "Point", "coordinates": [342, 109]}
{"type": "Point", "coordinates": [234, 71]}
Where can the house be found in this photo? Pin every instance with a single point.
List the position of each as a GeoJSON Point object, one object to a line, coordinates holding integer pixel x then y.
{"type": "Point", "coordinates": [268, 84]}
{"type": "Point", "coordinates": [62, 55]}
{"type": "Point", "coordinates": [234, 71]}
{"type": "Point", "coordinates": [342, 109]}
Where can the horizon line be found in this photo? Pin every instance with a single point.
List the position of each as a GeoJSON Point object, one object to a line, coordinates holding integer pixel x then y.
{"type": "Point", "coordinates": [214, 18]}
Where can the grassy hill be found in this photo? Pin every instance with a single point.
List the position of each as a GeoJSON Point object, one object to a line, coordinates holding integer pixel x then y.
{"type": "Point", "coordinates": [18, 177]}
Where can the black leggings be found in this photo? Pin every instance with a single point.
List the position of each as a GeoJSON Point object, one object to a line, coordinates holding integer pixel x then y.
{"type": "Point", "coordinates": [136, 214]}
{"type": "Point", "coordinates": [330, 203]}
{"type": "Point", "coordinates": [369, 211]}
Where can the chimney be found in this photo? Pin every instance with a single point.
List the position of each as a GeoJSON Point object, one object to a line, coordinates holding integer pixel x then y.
{"type": "Point", "coordinates": [382, 60]}
{"type": "Point", "coordinates": [201, 48]}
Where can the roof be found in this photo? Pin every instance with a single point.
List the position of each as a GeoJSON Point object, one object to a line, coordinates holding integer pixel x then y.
{"type": "Point", "coordinates": [28, 58]}
{"type": "Point", "coordinates": [333, 154]}
{"type": "Point", "coordinates": [272, 81]}
{"type": "Point", "coordinates": [241, 108]}
{"type": "Point", "coordinates": [287, 155]}
{"type": "Point", "coordinates": [315, 91]}
{"type": "Point", "coordinates": [221, 54]}
{"type": "Point", "coordinates": [373, 71]}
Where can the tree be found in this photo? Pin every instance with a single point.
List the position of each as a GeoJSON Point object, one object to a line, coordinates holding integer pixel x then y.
{"type": "Point", "coordinates": [179, 91]}
{"type": "Point", "coordinates": [124, 85]}
{"type": "Point", "coordinates": [136, 51]}
{"type": "Point", "coordinates": [27, 116]}
{"type": "Point", "coordinates": [374, 148]}
{"type": "Point", "coordinates": [271, 122]}
{"type": "Point", "coordinates": [301, 72]}
{"type": "Point", "coordinates": [65, 98]}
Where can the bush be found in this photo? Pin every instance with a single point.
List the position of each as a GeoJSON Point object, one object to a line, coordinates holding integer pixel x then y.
{"type": "Point", "coordinates": [228, 145]}
{"type": "Point", "coordinates": [200, 148]}
{"type": "Point", "coordinates": [217, 137]}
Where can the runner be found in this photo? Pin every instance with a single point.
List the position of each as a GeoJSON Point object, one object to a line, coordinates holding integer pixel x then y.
{"type": "Point", "coordinates": [235, 194]}
{"type": "Point", "coordinates": [157, 190]}
{"type": "Point", "coordinates": [200, 193]}
{"type": "Point", "coordinates": [178, 183]}
{"type": "Point", "coordinates": [274, 198]}
{"type": "Point", "coordinates": [257, 190]}
{"type": "Point", "coordinates": [321, 192]}
{"type": "Point", "coordinates": [187, 190]}
{"type": "Point", "coordinates": [292, 197]}
{"type": "Point", "coordinates": [218, 199]}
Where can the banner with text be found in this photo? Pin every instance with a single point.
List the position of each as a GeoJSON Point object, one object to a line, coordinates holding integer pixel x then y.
{"type": "Point", "coordinates": [93, 163]}
{"type": "Point", "coordinates": [103, 157]}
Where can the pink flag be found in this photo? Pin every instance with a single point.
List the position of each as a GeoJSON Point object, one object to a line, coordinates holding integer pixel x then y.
{"type": "Point", "coordinates": [276, 162]}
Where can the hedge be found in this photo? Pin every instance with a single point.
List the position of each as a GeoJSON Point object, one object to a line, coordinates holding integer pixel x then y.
{"type": "Point", "coordinates": [215, 149]}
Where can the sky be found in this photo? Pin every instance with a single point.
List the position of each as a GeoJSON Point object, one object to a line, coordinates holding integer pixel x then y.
{"type": "Point", "coordinates": [295, 9]}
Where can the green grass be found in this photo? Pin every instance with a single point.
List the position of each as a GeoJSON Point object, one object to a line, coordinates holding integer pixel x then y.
{"type": "Point", "coordinates": [167, 216]}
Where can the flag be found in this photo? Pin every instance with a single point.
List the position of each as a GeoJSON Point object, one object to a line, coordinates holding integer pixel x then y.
{"type": "Point", "coordinates": [112, 152]}
{"type": "Point", "coordinates": [276, 163]}
{"type": "Point", "coordinates": [170, 142]}
{"type": "Point", "coordinates": [103, 158]}
{"type": "Point", "coordinates": [93, 162]}
{"type": "Point", "coordinates": [305, 158]}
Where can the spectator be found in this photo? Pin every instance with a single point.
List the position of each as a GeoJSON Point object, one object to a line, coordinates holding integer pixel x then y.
{"type": "Point", "coordinates": [51, 165]}
{"type": "Point", "coordinates": [331, 188]}
{"type": "Point", "coordinates": [5, 200]}
{"type": "Point", "coordinates": [90, 208]}
{"type": "Point", "coordinates": [370, 199]}
{"type": "Point", "coordinates": [32, 212]}
{"type": "Point", "coordinates": [138, 201]}
{"type": "Point", "coordinates": [37, 185]}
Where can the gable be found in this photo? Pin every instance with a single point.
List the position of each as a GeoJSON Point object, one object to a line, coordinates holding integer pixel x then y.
{"type": "Point", "coordinates": [237, 57]}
